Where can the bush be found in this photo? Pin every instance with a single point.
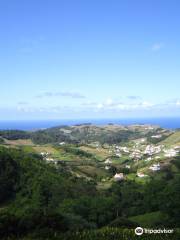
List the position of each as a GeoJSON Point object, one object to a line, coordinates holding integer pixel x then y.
{"type": "Point", "coordinates": [123, 222]}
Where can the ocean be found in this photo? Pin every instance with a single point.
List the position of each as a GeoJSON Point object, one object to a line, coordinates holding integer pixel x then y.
{"type": "Point", "coordinates": [170, 123]}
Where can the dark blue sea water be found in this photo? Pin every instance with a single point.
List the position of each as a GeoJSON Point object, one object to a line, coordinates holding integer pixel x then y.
{"type": "Point", "coordinates": [170, 123]}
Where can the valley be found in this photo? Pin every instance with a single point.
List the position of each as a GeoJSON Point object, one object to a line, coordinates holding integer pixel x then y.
{"type": "Point", "coordinates": [93, 180]}
{"type": "Point", "coordinates": [138, 152]}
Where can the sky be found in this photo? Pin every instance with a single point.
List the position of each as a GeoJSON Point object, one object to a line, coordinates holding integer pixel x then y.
{"type": "Point", "coordinates": [73, 59]}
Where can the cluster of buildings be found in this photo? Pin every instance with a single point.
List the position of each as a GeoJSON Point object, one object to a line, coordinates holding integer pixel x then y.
{"type": "Point", "coordinates": [155, 167]}
{"type": "Point", "coordinates": [108, 161]}
{"type": "Point", "coordinates": [151, 149]}
{"type": "Point", "coordinates": [48, 159]}
{"type": "Point", "coordinates": [137, 152]}
{"type": "Point", "coordinates": [172, 152]}
{"type": "Point", "coordinates": [140, 151]}
{"type": "Point", "coordinates": [141, 175]}
{"type": "Point", "coordinates": [44, 154]}
{"type": "Point", "coordinates": [119, 177]}
{"type": "Point", "coordinates": [118, 150]}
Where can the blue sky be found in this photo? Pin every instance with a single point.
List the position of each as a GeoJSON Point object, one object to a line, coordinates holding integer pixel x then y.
{"type": "Point", "coordinates": [89, 59]}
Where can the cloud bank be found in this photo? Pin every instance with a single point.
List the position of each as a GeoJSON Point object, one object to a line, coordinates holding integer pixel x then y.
{"type": "Point", "coordinates": [70, 94]}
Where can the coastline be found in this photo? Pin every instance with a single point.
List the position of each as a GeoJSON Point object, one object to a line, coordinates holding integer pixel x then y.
{"type": "Point", "coordinates": [30, 125]}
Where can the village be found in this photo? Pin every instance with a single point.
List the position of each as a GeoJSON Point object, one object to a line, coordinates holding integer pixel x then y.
{"type": "Point", "coordinates": [137, 152]}
{"type": "Point", "coordinates": [141, 152]}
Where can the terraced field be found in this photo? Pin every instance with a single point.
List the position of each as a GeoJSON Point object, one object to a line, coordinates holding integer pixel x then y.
{"type": "Point", "coordinates": [173, 139]}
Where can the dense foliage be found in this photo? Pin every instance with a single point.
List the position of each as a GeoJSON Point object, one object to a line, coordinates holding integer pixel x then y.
{"type": "Point", "coordinates": [40, 199]}
{"type": "Point", "coordinates": [86, 134]}
{"type": "Point", "coordinates": [14, 134]}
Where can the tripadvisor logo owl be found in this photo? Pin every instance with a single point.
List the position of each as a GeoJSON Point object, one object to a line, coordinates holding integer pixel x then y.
{"type": "Point", "coordinates": [139, 231]}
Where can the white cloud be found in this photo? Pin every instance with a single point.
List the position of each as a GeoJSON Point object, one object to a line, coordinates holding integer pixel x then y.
{"type": "Point", "coordinates": [106, 106]}
{"type": "Point", "coordinates": [146, 104]}
{"type": "Point", "coordinates": [133, 97]}
{"type": "Point", "coordinates": [110, 104]}
{"type": "Point", "coordinates": [100, 106]}
{"type": "Point", "coordinates": [23, 103]}
{"type": "Point", "coordinates": [71, 94]}
{"type": "Point", "coordinates": [178, 103]}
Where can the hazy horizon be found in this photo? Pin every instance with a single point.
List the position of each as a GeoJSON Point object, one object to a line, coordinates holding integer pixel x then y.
{"type": "Point", "coordinates": [169, 123]}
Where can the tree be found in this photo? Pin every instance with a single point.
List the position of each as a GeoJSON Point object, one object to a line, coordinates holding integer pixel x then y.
{"type": "Point", "coordinates": [9, 174]}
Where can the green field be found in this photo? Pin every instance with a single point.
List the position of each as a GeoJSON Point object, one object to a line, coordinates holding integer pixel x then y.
{"type": "Point", "coordinates": [149, 219]}
{"type": "Point", "coordinates": [173, 139]}
{"type": "Point", "coordinates": [105, 234]}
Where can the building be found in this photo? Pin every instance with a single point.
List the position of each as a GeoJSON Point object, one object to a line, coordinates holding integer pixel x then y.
{"type": "Point", "coordinates": [156, 136]}
{"type": "Point", "coordinates": [141, 175]}
{"type": "Point", "coordinates": [128, 166]}
{"type": "Point", "coordinates": [155, 167]}
{"type": "Point", "coordinates": [170, 153]}
{"type": "Point", "coordinates": [108, 161]}
{"type": "Point", "coordinates": [124, 149]}
{"type": "Point", "coordinates": [107, 167]}
{"type": "Point", "coordinates": [118, 154]}
{"type": "Point", "coordinates": [118, 176]}
{"type": "Point", "coordinates": [51, 160]}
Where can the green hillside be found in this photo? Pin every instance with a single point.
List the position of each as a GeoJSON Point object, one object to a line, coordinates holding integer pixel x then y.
{"type": "Point", "coordinates": [173, 139]}
{"type": "Point", "coordinates": [68, 190]}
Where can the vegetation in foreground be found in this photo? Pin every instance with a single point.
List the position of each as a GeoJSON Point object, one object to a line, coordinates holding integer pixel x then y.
{"type": "Point", "coordinates": [70, 200]}
{"type": "Point", "coordinates": [107, 233]}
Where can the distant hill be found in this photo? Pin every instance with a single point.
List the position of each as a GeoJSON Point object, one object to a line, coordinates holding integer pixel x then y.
{"type": "Point", "coordinates": [90, 133]}
{"type": "Point", "coordinates": [87, 133]}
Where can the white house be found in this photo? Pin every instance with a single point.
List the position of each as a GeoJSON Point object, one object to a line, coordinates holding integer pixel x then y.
{"type": "Point", "coordinates": [119, 176]}
{"type": "Point", "coordinates": [118, 154]}
{"type": "Point", "coordinates": [141, 175]}
{"type": "Point", "coordinates": [136, 154]}
{"type": "Point", "coordinates": [128, 166]}
{"type": "Point", "coordinates": [124, 149]}
{"type": "Point", "coordinates": [156, 136]}
{"type": "Point", "coordinates": [51, 160]}
{"type": "Point", "coordinates": [155, 167]}
{"type": "Point", "coordinates": [170, 153]}
{"type": "Point", "coordinates": [107, 167]}
{"type": "Point", "coordinates": [44, 154]}
{"type": "Point", "coordinates": [108, 161]}
{"type": "Point", "coordinates": [150, 149]}
{"type": "Point", "coordinates": [177, 147]}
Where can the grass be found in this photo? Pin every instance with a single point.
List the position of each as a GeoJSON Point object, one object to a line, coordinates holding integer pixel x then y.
{"type": "Point", "coordinates": [143, 180]}
{"type": "Point", "coordinates": [19, 142]}
{"type": "Point", "coordinates": [45, 148]}
{"type": "Point", "coordinates": [131, 176]}
{"type": "Point", "coordinates": [93, 171]}
{"type": "Point", "coordinates": [104, 185]}
{"type": "Point", "coordinates": [103, 234]}
{"type": "Point", "coordinates": [119, 161]}
{"type": "Point", "coordinates": [149, 219]}
{"type": "Point", "coordinates": [100, 153]}
{"type": "Point", "coordinates": [173, 139]}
